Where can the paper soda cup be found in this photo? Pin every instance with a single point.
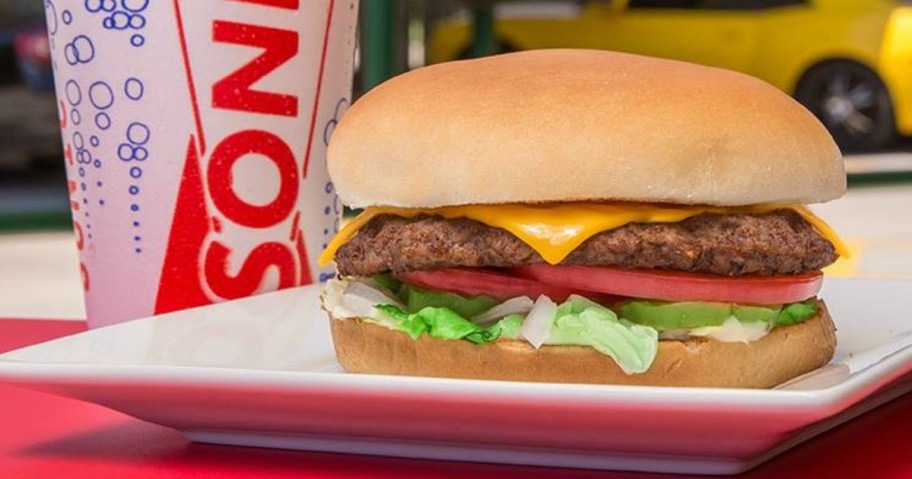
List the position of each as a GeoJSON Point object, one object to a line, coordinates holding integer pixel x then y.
{"type": "Point", "coordinates": [195, 136]}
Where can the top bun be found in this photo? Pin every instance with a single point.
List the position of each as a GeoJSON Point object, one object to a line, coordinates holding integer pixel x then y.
{"type": "Point", "coordinates": [580, 125]}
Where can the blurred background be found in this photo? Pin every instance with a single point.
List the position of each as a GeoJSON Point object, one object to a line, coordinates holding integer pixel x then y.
{"type": "Point", "coordinates": [848, 61]}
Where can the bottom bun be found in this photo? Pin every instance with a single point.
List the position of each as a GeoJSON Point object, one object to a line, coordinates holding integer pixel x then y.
{"type": "Point", "coordinates": [786, 352]}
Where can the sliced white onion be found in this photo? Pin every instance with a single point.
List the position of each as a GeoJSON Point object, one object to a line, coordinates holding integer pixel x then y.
{"type": "Point", "coordinates": [733, 331]}
{"type": "Point", "coordinates": [537, 327]}
{"type": "Point", "coordinates": [355, 299]}
{"type": "Point", "coordinates": [519, 305]}
{"type": "Point", "coordinates": [332, 298]}
{"type": "Point", "coordinates": [361, 298]}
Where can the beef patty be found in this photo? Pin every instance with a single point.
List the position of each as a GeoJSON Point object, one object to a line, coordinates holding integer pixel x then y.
{"type": "Point", "coordinates": [777, 243]}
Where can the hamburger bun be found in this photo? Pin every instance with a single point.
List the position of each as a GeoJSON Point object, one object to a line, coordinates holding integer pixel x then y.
{"type": "Point", "coordinates": [580, 125]}
{"type": "Point", "coordinates": [786, 352]}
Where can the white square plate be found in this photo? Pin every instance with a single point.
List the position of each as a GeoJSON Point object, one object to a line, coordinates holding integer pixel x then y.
{"type": "Point", "coordinates": [261, 372]}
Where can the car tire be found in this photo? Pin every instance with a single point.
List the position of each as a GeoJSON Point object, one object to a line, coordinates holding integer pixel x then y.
{"type": "Point", "coordinates": [852, 102]}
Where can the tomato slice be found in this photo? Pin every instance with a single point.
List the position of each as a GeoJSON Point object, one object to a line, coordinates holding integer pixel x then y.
{"type": "Point", "coordinates": [477, 281]}
{"type": "Point", "coordinates": [677, 286]}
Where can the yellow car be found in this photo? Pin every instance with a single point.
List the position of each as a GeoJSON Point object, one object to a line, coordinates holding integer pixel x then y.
{"type": "Point", "coordinates": [848, 61]}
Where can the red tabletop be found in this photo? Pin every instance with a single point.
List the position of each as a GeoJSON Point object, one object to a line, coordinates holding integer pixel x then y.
{"type": "Point", "coordinates": [43, 436]}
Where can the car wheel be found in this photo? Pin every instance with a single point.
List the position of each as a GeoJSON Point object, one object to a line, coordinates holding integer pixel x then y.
{"type": "Point", "coordinates": [852, 102]}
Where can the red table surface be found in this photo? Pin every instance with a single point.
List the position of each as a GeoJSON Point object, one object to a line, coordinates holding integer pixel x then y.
{"type": "Point", "coordinates": [44, 436]}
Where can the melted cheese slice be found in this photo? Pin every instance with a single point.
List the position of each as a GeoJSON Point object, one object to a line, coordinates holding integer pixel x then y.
{"type": "Point", "coordinates": [555, 230]}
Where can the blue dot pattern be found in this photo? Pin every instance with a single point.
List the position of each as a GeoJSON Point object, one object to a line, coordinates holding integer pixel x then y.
{"type": "Point", "coordinates": [335, 206]}
{"type": "Point", "coordinates": [87, 104]}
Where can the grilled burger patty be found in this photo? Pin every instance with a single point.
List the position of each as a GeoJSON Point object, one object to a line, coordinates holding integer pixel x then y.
{"type": "Point", "coordinates": [777, 243]}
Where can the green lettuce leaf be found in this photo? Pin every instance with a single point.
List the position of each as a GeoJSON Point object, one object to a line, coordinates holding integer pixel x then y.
{"type": "Point", "coordinates": [509, 326]}
{"type": "Point", "coordinates": [440, 323]}
{"type": "Point", "coordinates": [579, 321]}
{"type": "Point", "coordinates": [416, 299]}
{"type": "Point", "coordinates": [388, 282]}
{"type": "Point", "coordinates": [405, 322]}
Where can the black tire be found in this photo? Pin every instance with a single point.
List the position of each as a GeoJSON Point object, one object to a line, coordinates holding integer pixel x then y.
{"type": "Point", "coordinates": [853, 103]}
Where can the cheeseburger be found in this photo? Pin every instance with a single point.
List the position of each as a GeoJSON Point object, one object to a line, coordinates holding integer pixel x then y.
{"type": "Point", "coordinates": [582, 216]}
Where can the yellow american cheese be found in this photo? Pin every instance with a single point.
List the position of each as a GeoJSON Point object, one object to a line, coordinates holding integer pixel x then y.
{"type": "Point", "coordinates": [554, 230]}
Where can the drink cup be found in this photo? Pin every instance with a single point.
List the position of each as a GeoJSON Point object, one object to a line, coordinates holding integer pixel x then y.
{"type": "Point", "coordinates": [195, 136]}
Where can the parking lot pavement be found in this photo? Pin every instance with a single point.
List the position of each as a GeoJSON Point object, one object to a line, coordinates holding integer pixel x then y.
{"type": "Point", "coordinates": [879, 163]}
{"type": "Point", "coordinates": [39, 276]}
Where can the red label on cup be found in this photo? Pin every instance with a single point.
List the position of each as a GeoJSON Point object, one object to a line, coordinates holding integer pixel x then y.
{"type": "Point", "coordinates": [200, 257]}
